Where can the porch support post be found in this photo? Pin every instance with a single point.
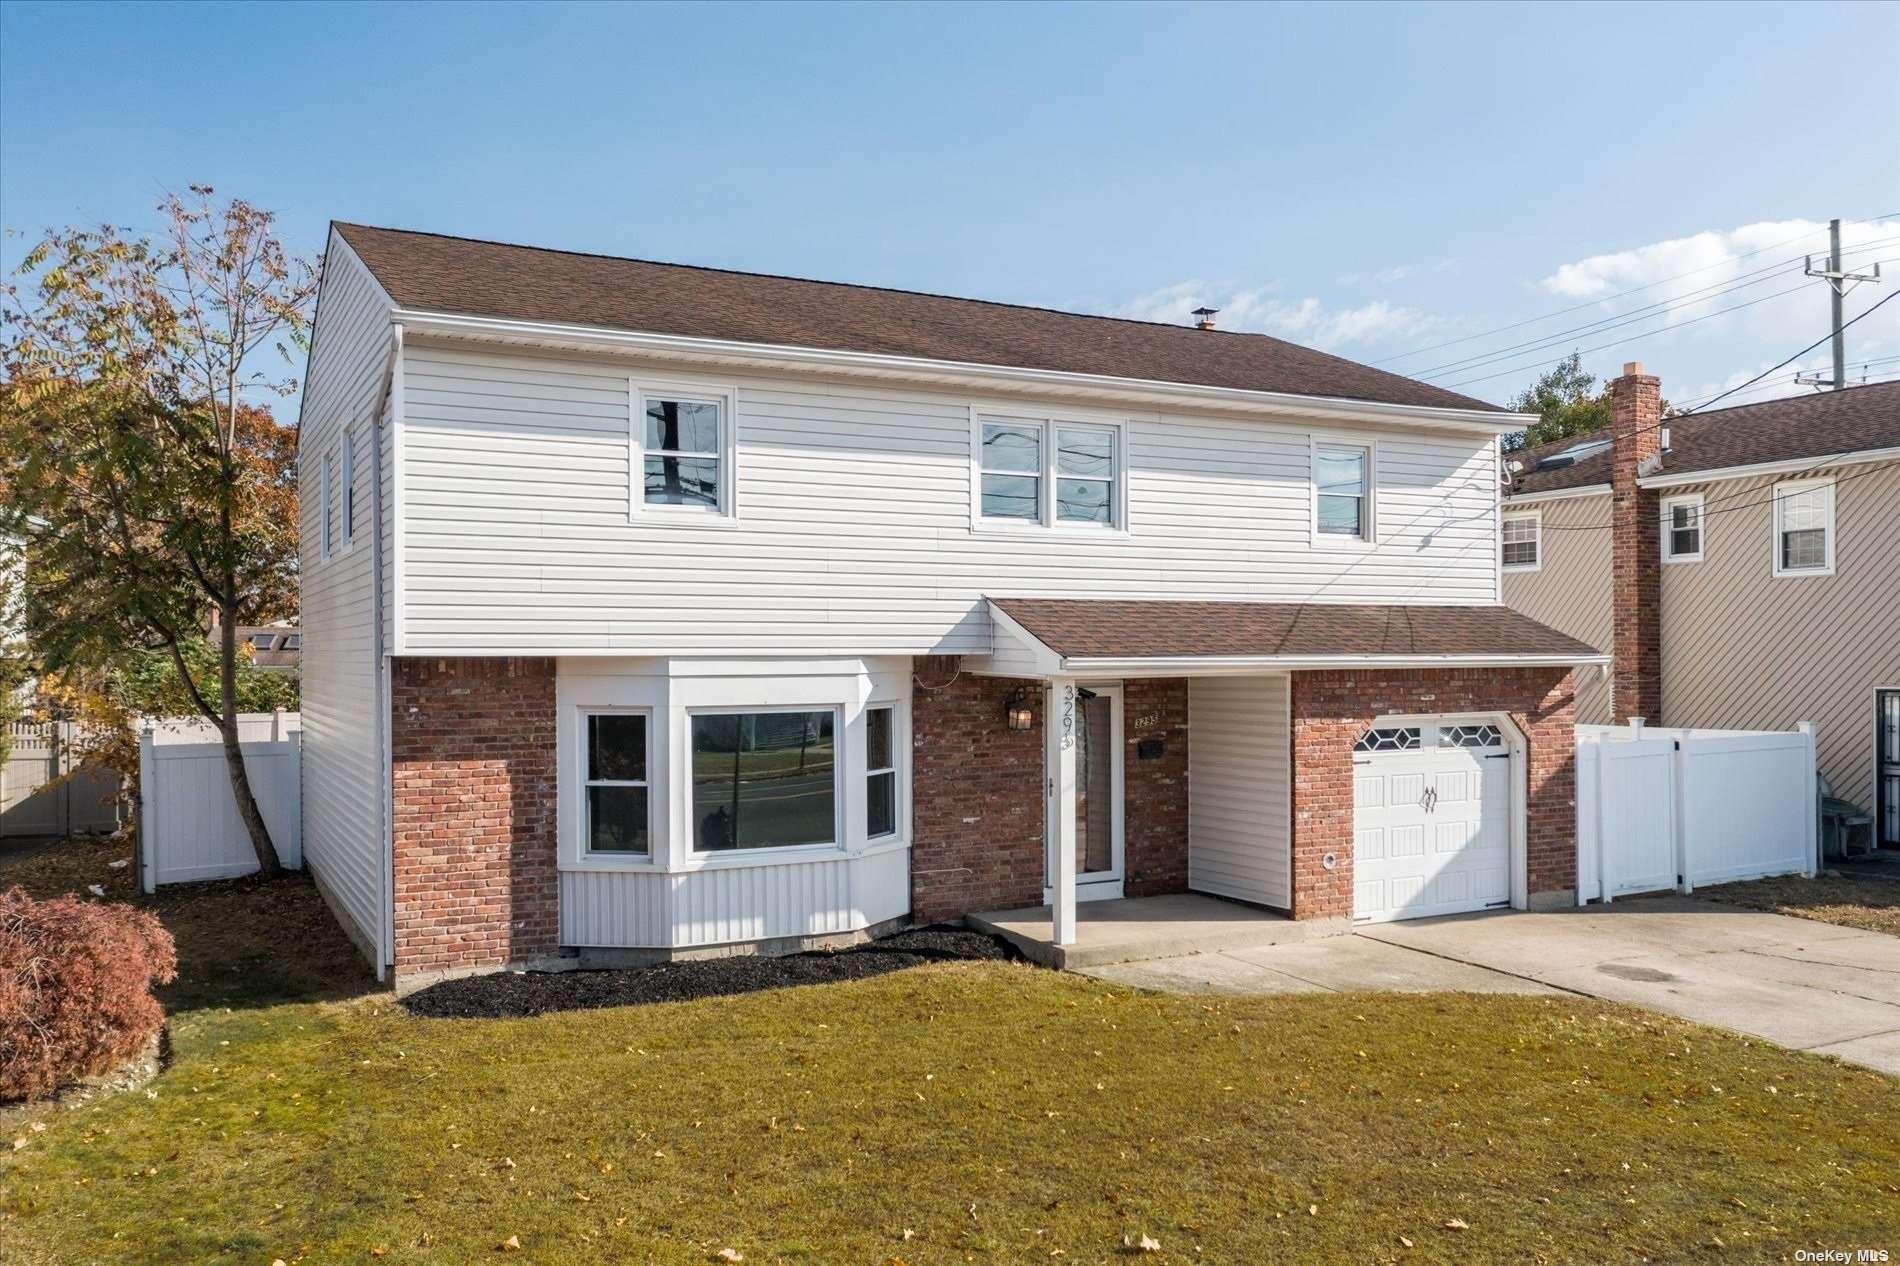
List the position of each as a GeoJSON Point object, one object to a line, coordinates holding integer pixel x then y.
{"type": "Point", "coordinates": [1060, 762]}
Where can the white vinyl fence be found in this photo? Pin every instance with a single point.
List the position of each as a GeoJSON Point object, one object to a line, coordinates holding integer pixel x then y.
{"type": "Point", "coordinates": [189, 827]}
{"type": "Point", "coordinates": [46, 788]}
{"type": "Point", "coordinates": [1666, 808]}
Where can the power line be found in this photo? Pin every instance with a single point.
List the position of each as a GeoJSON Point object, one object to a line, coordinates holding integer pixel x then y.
{"type": "Point", "coordinates": [1614, 320]}
{"type": "Point", "coordinates": [1590, 303]}
{"type": "Point", "coordinates": [1536, 364]}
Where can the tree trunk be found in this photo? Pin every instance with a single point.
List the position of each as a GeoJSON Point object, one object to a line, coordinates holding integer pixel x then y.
{"type": "Point", "coordinates": [248, 811]}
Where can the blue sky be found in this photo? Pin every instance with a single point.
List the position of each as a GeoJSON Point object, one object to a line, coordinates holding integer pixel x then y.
{"type": "Point", "coordinates": [1369, 179]}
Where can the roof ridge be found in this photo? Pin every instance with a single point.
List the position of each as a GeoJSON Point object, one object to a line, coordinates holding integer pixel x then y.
{"type": "Point", "coordinates": [858, 285]}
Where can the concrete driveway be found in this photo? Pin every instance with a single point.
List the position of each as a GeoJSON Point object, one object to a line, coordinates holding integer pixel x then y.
{"type": "Point", "coordinates": [1801, 984]}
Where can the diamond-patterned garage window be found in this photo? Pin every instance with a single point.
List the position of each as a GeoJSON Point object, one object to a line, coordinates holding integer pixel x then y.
{"type": "Point", "coordinates": [1470, 736]}
{"type": "Point", "coordinates": [1388, 740]}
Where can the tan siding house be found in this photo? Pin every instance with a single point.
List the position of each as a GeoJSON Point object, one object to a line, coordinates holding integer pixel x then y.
{"type": "Point", "coordinates": [1777, 531]}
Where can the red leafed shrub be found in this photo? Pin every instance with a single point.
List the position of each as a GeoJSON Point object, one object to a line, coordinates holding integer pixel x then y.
{"type": "Point", "coordinates": [75, 989]}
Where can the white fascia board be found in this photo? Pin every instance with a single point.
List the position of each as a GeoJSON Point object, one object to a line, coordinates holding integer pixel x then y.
{"type": "Point", "coordinates": [968, 375]}
{"type": "Point", "coordinates": [1558, 494]}
{"type": "Point", "coordinates": [1796, 466]}
{"type": "Point", "coordinates": [1047, 661]}
{"type": "Point", "coordinates": [1237, 665]}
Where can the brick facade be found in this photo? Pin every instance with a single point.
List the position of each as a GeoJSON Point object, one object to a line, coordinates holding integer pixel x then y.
{"type": "Point", "coordinates": [1636, 548]}
{"type": "Point", "coordinates": [473, 742]}
{"type": "Point", "coordinates": [1330, 710]}
{"type": "Point", "coordinates": [977, 792]}
{"type": "Point", "coordinates": [1155, 790]}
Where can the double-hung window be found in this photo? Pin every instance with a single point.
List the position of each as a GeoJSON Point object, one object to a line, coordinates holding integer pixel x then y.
{"type": "Point", "coordinates": [1682, 529]}
{"type": "Point", "coordinates": [685, 452]}
{"type": "Point", "coordinates": [880, 771]}
{"type": "Point", "coordinates": [327, 515]}
{"type": "Point", "coordinates": [764, 779]}
{"type": "Point", "coordinates": [349, 487]}
{"type": "Point", "coordinates": [1522, 543]}
{"type": "Point", "coordinates": [1049, 472]}
{"type": "Point", "coordinates": [616, 817]}
{"type": "Point", "coordinates": [1342, 483]}
{"type": "Point", "coordinates": [1804, 528]}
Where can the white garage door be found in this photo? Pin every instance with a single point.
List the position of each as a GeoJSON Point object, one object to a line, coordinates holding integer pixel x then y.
{"type": "Point", "coordinates": [1431, 821]}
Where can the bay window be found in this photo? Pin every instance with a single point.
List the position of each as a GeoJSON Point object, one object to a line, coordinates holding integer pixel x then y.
{"type": "Point", "coordinates": [617, 821]}
{"type": "Point", "coordinates": [765, 779]}
{"type": "Point", "coordinates": [880, 771]}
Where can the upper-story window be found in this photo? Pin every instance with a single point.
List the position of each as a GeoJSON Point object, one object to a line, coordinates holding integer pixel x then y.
{"type": "Point", "coordinates": [1048, 471]}
{"type": "Point", "coordinates": [1342, 488]}
{"type": "Point", "coordinates": [683, 452]}
{"type": "Point", "coordinates": [327, 537]}
{"type": "Point", "coordinates": [1522, 546]}
{"type": "Point", "coordinates": [1682, 529]}
{"type": "Point", "coordinates": [1804, 528]}
{"type": "Point", "coordinates": [349, 487]}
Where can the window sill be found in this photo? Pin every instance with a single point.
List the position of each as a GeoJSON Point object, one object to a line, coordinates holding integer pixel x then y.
{"type": "Point", "coordinates": [739, 859]}
{"type": "Point", "coordinates": [1802, 573]}
{"type": "Point", "coordinates": [683, 516]}
{"type": "Point", "coordinates": [1519, 569]}
{"type": "Point", "coordinates": [1070, 532]}
{"type": "Point", "coordinates": [1670, 560]}
{"type": "Point", "coordinates": [1350, 544]}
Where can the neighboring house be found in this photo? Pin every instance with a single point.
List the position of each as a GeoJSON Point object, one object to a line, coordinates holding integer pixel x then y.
{"type": "Point", "coordinates": [275, 647]}
{"type": "Point", "coordinates": [1743, 564]}
{"type": "Point", "coordinates": [659, 609]}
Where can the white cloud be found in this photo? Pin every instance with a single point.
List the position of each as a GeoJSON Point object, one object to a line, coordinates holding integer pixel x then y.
{"type": "Point", "coordinates": [1259, 311]}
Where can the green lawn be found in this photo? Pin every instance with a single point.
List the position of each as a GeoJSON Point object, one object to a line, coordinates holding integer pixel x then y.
{"type": "Point", "coordinates": [955, 1113]}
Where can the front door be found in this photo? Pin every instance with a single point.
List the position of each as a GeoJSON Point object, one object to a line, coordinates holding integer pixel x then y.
{"type": "Point", "coordinates": [1098, 797]}
{"type": "Point", "coordinates": [1887, 782]}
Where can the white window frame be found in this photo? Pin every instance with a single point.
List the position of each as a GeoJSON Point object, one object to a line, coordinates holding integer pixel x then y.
{"type": "Point", "coordinates": [726, 399]}
{"type": "Point", "coordinates": [1537, 518]}
{"type": "Point", "coordinates": [348, 496]}
{"type": "Point", "coordinates": [1368, 533]}
{"type": "Point", "coordinates": [840, 746]}
{"type": "Point", "coordinates": [326, 517]}
{"type": "Point", "coordinates": [582, 752]}
{"type": "Point", "coordinates": [900, 788]}
{"type": "Point", "coordinates": [1667, 517]}
{"type": "Point", "coordinates": [1048, 426]}
{"type": "Point", "coordinates": [1782, 492]}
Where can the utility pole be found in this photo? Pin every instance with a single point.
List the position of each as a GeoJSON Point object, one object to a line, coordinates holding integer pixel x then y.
{"type": "Point", "coordinates": [1838, 284]}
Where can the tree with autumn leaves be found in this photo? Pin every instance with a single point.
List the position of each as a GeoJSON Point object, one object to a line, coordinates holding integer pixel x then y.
{"type": "Point", "coordinates": [139, 463]}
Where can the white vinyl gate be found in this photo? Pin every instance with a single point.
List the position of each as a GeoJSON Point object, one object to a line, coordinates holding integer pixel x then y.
{"type": "Point", "coordinates": [189, 827]}
{"type": "Point", "coordinates": [1668, 808]}
{"type": "Point", "coordinates": [46, 789]}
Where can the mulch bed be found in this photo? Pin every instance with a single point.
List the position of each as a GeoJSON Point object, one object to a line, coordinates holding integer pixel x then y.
{"type": "Point", "coordinates": [507, 995]}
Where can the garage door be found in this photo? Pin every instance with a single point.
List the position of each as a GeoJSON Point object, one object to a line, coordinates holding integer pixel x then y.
{"type": "Point", "coordinates": [1431, 821]}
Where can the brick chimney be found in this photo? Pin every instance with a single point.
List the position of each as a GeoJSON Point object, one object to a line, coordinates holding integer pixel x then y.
{"type": "Point", "coordinates": [1636, 547]}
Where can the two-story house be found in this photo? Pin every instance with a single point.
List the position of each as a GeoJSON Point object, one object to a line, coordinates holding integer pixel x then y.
{"type": "Point", "coordinates": [659, 610]}
{"type": "Point", "coordinates": [1743, 566]}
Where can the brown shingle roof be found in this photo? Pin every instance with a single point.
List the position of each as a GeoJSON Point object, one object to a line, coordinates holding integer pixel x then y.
{"type": "Point", "coordinates": [1853, 419]}
{"type": "Point", "coordinates": [432, 273]}
{"type": "Point", "coordinates": [1087, 628]}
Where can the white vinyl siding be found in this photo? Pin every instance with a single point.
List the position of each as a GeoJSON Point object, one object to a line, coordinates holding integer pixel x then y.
{"type": "Point", "coordinates": [1239, 824]}
{"type": "Point", "coordinates": [856, 520]}
{"type": "Point", "coordinates": [342, 761]}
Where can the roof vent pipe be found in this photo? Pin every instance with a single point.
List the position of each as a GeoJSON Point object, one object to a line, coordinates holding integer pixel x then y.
{"type": "Point", "coordinates": [1204, 318]}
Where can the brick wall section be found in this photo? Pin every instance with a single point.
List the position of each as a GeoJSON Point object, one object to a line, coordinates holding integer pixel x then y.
{"type": "Point", "coordinates": [1636, 547]}
{"type": "Point", "coordinates": [1155, 792]}
{"type": "Point", "coordinates": [1330, 710]}
{"type": "Point", "coordinates": [474, 784]}
{"type": "Point", "coordinates": [977, 793]}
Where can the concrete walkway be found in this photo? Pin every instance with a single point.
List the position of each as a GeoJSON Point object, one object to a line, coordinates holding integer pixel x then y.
{"type": "Point", "coordinates": [1801, 984]}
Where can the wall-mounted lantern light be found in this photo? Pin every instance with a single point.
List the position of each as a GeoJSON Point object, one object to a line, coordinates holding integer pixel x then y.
{"type": "Point", "coordinates": [1017, 710]}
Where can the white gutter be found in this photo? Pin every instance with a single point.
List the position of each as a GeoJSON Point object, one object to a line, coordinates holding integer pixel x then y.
{"type": "Point", "coordinates": [1795, 466]}
{"type": "Point", "coordinates": [990, 377]}
{"type": "Point", "coordinates": [1559, 494]}
{"type": "Point", "coordinates": [1233, 665]}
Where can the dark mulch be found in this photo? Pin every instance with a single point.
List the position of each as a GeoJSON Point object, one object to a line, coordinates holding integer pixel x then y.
{"type": "Point", "coordinates": [511, 994]}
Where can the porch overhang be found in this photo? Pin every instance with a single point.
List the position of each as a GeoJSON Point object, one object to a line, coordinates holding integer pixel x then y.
{"type": "Point", "coordinates": [1094, 638]}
